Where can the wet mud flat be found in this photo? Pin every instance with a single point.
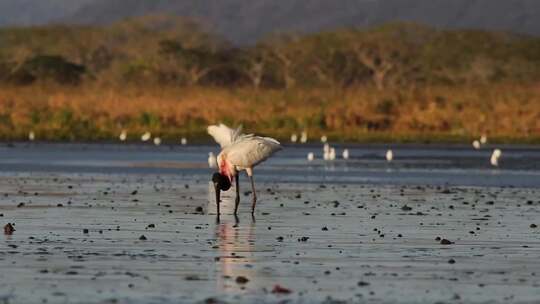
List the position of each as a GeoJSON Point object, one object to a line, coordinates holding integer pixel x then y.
{"type": "Point", "coordinates": [127, 238]}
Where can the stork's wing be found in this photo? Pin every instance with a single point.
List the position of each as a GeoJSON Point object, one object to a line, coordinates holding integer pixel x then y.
{"type": "Point", "coordinates": [251, 150]}
{"type": "Point", "coordinates": [224, 135]}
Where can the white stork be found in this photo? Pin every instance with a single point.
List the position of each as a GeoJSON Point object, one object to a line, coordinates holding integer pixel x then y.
{"type": "Point", "coordinates": [239, 152]}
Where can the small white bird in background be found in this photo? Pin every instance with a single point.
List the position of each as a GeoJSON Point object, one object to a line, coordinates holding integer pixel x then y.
{"type": "Point", "coordinates": [303, 137]}
{"type": "Point", "coordinates": [326, 147]}
{"type": "Point", "coordinates": [239, 152]}
{"type": "Point", "coordinates": [326, 151]}
{"type": "Point", "coordinates": [476, 144]}
{"type": "Point", "coordinates": [123, 135]}
{"type": "Point", "coordinates": [212, 161]}
{"type": "Point", "coordinates": [294, 138]}
{"type": "Point", "coordinates": [146, 136]}
{"type": "Point", "coordinates": [332, 155]}
{"type": "Point", "coordinates": [389, 155]}
{"type": "Point", "coordinates": [157, 141]}
{"type": "Point", "coordinates": [326, 154]}
{"type": "Point", "coordinates": [324, 139]}
{"type": "Point", "coordinates": [31, 136]}
{"type": "Point", "coordinates": [494, 160]}
{"type": "Point", "coordinates": [346, 154]}
{"type": "Point", "coordinates": [483, 139]}
{"type": "Point", "coordinates": [310, 156]}
{"type": "Point", "coordinates": [183, 141]}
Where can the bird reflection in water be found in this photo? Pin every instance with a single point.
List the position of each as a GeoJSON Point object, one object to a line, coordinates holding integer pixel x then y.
{"type": "Point", "coordinates": [236, 245]}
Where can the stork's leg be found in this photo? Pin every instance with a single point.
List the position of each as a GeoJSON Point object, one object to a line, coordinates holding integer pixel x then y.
{"type": "Point", "coordinates": [218, 192]}
{"type": "Point", "coordinates": [249, 172]}
{"type": "Point", "coordinates": [237, 199]}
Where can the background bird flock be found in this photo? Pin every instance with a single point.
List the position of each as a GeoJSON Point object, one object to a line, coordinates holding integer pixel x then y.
{"type": "Point", "coordinates": [328, 153]}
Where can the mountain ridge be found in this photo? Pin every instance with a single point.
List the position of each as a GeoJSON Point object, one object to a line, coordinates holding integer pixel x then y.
{"type": "Point", "coordinates": [248, 21]}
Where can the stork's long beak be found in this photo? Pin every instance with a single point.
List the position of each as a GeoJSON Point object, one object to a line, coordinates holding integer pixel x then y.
{"type": "Point", "coordinates": [218, 193]}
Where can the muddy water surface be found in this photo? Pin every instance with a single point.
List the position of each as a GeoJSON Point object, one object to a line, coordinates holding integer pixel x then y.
{"type": "Point", "coordinates": [112, 224]}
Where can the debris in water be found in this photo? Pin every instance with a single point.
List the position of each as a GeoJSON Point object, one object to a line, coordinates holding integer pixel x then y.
{"type": "Point", "coordinates": [9, 229]}
{"type": "Point", "coordinates": [280, 289]}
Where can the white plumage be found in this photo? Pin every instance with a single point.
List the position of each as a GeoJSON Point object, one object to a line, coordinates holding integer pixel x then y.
{"type": "Point", "coordinates": [326, 151]}
{"type": "Point", "coordinates": [303, 137]}
{"type": "Point", "coordinates": [249, 151]}
{"type": "Point", "coordinates": [294, 138]}
{"type": "Point", "coordinates": [332, 155]}
{"type": "Point", "coordinates": [157, 141]}
{"type": "Point", "coordinates": [326, 147]}
{"type": "Point", "coordinates": [310, 156]}
{"type": "Point", "coordinates": [183, 141]}
{"type": "Point", "coordinates": [241, 152]}
{"type": "Point", "coordinates": [123, 135]}
{"type": "Point", "coordinates": [146, 136]}
{"type": "Point", "coordinates": [224, 135]}
{"type": "Point", "coordinates": [326, 155]}
{"type": "Point", "coordinates": [31, 136]}
{"type": "Point", "coordinates": [476, 144]}
{"type": "Point", "coordinates": [345, 154]}
{"type": "Point", "coordinates": [324, 139]}
{"type": "Point", "coordinates": [483, 139]}
{"type": "Point", "coordinates": [212, 161]}
{"type": "Point", "coordinates": [494, 159]}
{"type": "Point", "coordinates": [389, 155]}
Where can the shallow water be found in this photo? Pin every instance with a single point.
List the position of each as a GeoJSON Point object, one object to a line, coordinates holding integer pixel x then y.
{"type": "Point", "coordinates": [352, 231]}
{"type": "Point", "coordinates": [413, 164]}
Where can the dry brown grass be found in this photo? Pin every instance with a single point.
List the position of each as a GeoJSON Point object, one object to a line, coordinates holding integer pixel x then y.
{"type": "Point", "coordinates": [507, 112]}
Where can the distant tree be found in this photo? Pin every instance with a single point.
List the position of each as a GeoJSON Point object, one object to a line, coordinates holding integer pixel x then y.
{"type": "Point", "coordinates": [389, 52]}
{"type": "Point", "coordinates": [287, 51]}
{"type": "Point", "coordinates": [253, 63]}
{"type": "Point", "coordinates": [48, 68]}
{"type": "Point", "coordinates": [329, 60]}
{"type": "Point", "coordinates": [192, 64]}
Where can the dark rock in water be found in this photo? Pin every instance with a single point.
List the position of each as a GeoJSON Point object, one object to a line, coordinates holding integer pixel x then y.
{"type": "Point", "coordinates": [85, 231]}
{"type": "Point", "coordinates": [192, 278]}
{"type": "Point", "coordinates": [324, 228]}
{"type": "Point", "coordinates": [150, 226]}
{"type": "Point", "coordinates": [446, 242]}
{"type": "Point", "coordinates": [214, 301]}
{"type": "Point", "coordinates": [533, 226]}
{"type": "Point", "coordinates": [134, 192]}
{"type": "Point", "coordinates": [303, 239]}
{"type": "Point", "coordinates": [142, 238]}
{"type": "Point", "coordinates": [406, 208]}
{"type": "Point", "coordinates": [451, 261]}
{"type": "Point", "coordinates": [438, 238]}
{"type": "Point", "coordinates": [280, 289]}
{"type": "Point", "coordinates": [9, 229]}
{"type": "Point", "coordinates": [199, 209]}
{"type": "Point", "coordinates": [363, 284]}
{"type": "Point", "coordinates": [20, 205]}
{"type": "Point", "coordinates": [241, 280]}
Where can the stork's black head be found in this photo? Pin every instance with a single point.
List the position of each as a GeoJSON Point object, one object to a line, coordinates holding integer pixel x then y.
{"type": "Point", "coordinates": [221, 181]}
